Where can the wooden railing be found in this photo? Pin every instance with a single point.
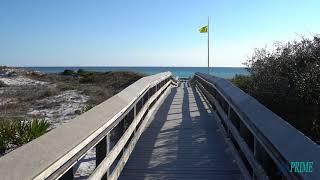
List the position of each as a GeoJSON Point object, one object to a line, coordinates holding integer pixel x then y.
{"type": "Point", "coordinates": [264, 143]}
{"type": "Point", "coordinates": [122, 118]}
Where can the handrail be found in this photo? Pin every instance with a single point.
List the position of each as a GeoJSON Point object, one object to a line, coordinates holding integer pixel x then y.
{"type": "Point", "coordinates": [54, 154]}
{"type": "Point", "coordinates": [265, 142]}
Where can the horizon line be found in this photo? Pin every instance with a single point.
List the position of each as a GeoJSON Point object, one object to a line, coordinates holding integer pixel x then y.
{"type": "Point", "coordinates": [133, 66]}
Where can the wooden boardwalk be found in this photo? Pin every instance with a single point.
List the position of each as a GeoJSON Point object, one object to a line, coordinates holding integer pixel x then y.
{"type": "Point", "coordinates": [181, 142]}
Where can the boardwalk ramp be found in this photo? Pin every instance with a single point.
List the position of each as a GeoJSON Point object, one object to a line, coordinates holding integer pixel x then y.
{"type": "Point", "coordinates": [182, 141]}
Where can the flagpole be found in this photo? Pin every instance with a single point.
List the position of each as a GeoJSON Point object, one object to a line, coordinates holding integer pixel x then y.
{"type": "Point", "coordinates": [208, 47]}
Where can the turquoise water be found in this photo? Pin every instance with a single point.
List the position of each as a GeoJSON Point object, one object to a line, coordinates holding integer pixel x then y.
{"type": "Point", "coordinates": [224, 72]}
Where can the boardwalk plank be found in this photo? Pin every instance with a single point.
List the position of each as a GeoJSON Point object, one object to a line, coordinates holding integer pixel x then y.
{"type": "Point", "coordinates": [181, 142]}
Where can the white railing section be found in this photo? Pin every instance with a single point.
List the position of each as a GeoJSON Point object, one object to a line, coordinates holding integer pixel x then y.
{"type": "Point", "coordinates": [113, 128]}
{"type": "Point", "coordinates": [264, 143]}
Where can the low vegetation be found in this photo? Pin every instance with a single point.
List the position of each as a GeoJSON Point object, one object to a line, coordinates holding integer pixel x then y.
{"type": "Point", "coordinates": [242, 81]}
{"type": "Point", "coordinates": [87, 107]}
{"type": "Point", "coordinates": [99, 86]}
{"type": "Point", "coordinates": [15, 132]}
{"type": "Point", "coordinates": [17, 127]}
{"type": "Point", "coordinates": [287, 80]}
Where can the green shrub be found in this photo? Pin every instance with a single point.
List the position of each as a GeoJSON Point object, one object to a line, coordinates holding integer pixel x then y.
{"type": "Point", "coordinates": [32, 94]}
{"type": "Point", "coordinates": [291, 70]}
{"type": "Point", "coordinates": [87, 107]}
{"type": "Point", "coordinates": [87, 78]}
{"type": "Point", "coordinates": [242, 81]}
{"type": "Point", "coordinates": [7, 133]}
{"type": "Point", "coordinates": [68, 72]}
{"type": "Point", "coordinates": [37, 128]}
{"type": "Point", "coordinates": [287, 80]}
{"type": "Point", "coordinates": [17, 132]}
{"type": "Point", "coordinates": [81, 72]}
{"type": "Point", "coordinates": [3, 145]}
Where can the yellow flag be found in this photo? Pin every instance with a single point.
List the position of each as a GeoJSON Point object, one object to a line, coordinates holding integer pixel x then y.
{"type": "Point", "coordinates": [203, 29]}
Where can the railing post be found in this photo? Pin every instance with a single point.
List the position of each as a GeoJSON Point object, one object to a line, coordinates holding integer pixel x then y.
{"type": "Point", "coordinates": [261, 155]}
{"type": "Point", "coordinates": [134, 115]}
{"type": "Point", "coordinates": [148, 99]}
{"type": "Point", "coordinates": [68, 175]}
{"type": "Point", "coordinates": [229, 118]}
{"type": "Point", "coordinates": [108, 150]}
{"type": "Point", "coordinates": [156, 90]}
{"type": "Point", "coordinates": [247, 136]}
{"type": "Point", "coordinates": [102, 149]}
{"type": "Point", "coordinates": [101, 152]}
{"type": "Point", "coordinates": [119, 130]}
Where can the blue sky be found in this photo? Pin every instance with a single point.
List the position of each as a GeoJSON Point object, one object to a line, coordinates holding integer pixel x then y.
{"type": "Point", "coordinates": [147, 33]}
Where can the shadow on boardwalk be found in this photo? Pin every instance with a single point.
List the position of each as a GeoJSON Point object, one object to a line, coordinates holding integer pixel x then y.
{"type": "Point", "coordinates": [181, 142]}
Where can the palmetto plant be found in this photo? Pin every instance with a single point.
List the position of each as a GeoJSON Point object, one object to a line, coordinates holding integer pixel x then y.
{"type": "Point", "coordinates": [87, 107]}
{"type": "Point", "coordinates": [6, 134]}
{"type": "Point", "coordinates": [17, 132]}
{"type": "Point", "coordinates": [37, 128]}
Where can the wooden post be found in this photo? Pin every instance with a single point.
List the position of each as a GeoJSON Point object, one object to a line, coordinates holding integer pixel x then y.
{"type": "Point", "coordinates": [119, 130]}
{"type": "Point", "coordinates": [134, 116]}
{"type": "Point", "coordinates": [108, 150]}
{"type": "Point", "coordinates": [101, 152]}
{"type": "Point", "coordinates": [156, 90]}
{"type": "Point", "coordinates": [247, 136]}
{"type": "Point", "coordinates": [148, 100]}
{"type": "Point", "coordinates": [229, 117]}
{"type": "Point", "coordinates": [261, 155]}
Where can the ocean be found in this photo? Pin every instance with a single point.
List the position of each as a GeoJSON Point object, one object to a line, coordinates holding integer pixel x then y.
{"type": "Point", "coordinates": [184, 72]}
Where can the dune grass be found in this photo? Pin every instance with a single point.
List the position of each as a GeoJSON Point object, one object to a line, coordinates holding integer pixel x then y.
{"type": "Point", "coordinates": [18, 128]}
